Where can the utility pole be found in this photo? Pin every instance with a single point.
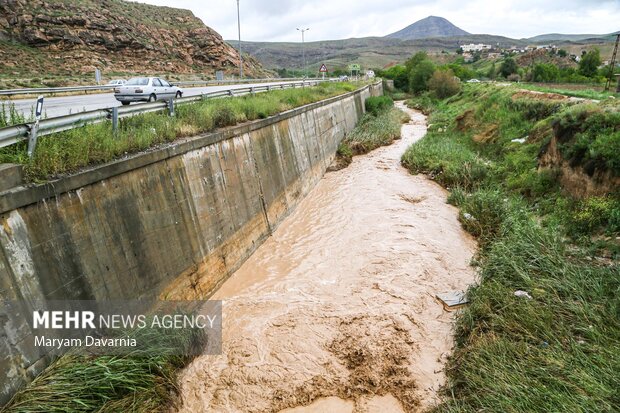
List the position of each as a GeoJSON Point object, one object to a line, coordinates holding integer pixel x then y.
{"type": "Point", "coordinates": [240, 57]}
{"type": "Point", "coordinates": [303, 50]}
{"type": "Point", "coordinates": [612, 64]}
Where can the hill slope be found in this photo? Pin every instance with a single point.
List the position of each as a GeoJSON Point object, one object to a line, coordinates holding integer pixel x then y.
{"type": "Point", "coordinates": [570, 37]}
{"type": "Point", "coordinates": [431, 26]}
{"type": "Point", "coordinates": [68, 37]}
{"type": "Point", "coordinates": [370, 52]}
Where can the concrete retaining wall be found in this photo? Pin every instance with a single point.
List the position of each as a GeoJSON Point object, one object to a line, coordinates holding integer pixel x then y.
{"type": "Point", "coordinates": [172, 223]}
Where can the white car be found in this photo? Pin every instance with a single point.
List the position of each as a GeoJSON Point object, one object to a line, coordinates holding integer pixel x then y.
{"type": "Point", "coordinates": [117, 82]}
{"type": "Point", "coordinates": [473, 81]}
{"type": "Point", "coordinates": [146, 89]}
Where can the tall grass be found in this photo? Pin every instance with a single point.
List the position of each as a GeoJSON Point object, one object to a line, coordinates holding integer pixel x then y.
{"type": "Point", "coordinates": [557, 350]}
{"type": "Point", "coordinates": [68, 151]}
{"type": "Point", "coordinates": [142, 381]}
{"type": "Point", "coordinates": [374, 131]}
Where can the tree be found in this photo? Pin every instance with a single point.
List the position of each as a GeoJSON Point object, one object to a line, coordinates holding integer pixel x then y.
{"type": "Point", "coordinates": [508, 67]}
{"type": "Point", "coordinates": [562, 53]}
{"type": "Point", "coordinates": [545, 72]}
{"type": "Point", "coordinates": [399, 74]}
{"type": "Point", "coordinates": [444, 84]}
{"type": "Point", "coordinates": [589, 63]}
{"type": "Point", "coordinates": [462, 72]}
{"type": "Point", "coordinates": [415, 60]}
{"type": "Point", "coordinates": [420, 75]}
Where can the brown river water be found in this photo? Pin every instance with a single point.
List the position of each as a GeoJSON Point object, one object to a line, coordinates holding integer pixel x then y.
{"type": "Point", "coordinates": [336, 311]}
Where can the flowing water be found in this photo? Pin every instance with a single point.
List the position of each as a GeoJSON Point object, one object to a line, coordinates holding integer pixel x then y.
{"type": "Point", "coordinates": [336, 311]}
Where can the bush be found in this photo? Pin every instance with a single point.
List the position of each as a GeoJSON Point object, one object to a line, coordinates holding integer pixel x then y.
{"type": "Point", "coordinates": [594, 213]}
{"type": "Point", "coordinates": [508, 67]}
{"type": "Point", "coordinates": [377, 104]}
{"type": "Point", "coordinates": [444, 84]}
{"type": "Point", "coordinates": [420, 75]}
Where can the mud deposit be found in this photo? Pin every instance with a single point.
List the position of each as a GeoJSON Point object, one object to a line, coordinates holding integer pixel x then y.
{"type": "Point", "coordinates": [335, 312]}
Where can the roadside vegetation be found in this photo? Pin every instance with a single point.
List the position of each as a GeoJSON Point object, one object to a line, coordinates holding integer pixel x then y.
{"type": "Point", "coordinates": [541, 332]}
{"type": "Point", "coordinates": [67, 152]}
{"type": "Point", "coordinates": [541, 67]}
{"type": "Point", "coordinates": [379, 126]}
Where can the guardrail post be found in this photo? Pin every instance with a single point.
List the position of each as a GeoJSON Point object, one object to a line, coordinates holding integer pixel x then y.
{"type": "Point", "coordinates": [32, 140]}
{"type": "Point", "coordinates": [34, 129]}
{"type": "Point", "coordinates": [231, 93]}
{"type": "Point", "coordinates": [115, 119]}
{"type": "Point", "coordinates": [171, 107]}
{"type": "Point", "coordinates": [252, 90]}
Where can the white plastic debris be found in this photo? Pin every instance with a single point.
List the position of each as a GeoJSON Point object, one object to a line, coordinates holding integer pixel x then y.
{"type": "Point", "coordinates": [521, 293]}
{"type": "Point", "coordinates": [468, 217]}
{"type": "Point", "coordinates": [519, 140]}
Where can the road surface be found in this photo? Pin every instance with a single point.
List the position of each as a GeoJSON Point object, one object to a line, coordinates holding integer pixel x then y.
{"type": "Point", "coordinates": [65, 105]}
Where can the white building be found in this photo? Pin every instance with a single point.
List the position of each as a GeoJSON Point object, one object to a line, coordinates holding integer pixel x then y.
{"type": "Point", "coordinates": [472, 47]}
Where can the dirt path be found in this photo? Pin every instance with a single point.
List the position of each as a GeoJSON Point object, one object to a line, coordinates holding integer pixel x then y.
{"type": "Point", "coordinates": [335, 312]}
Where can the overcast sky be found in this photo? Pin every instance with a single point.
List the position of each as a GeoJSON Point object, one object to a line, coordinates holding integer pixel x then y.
{"type": "Point", "coordinates": [276, 20]}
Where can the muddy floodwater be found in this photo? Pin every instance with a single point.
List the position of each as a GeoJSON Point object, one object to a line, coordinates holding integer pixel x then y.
{"type": "Point", "coordinates": [335, 312]}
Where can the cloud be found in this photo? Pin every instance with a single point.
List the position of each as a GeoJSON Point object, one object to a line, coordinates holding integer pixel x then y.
{"type": "Point", "coordinates": [276, 20]}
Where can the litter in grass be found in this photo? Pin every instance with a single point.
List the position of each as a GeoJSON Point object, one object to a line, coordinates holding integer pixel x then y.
{"type": "Point", "coordinates": [452, 300]}
{"type": "Point", "coordinates": [525, 294]}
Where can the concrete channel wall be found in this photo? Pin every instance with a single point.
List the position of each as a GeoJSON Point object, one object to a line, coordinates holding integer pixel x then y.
{"type": "Point", "coordinates": [171, 223]}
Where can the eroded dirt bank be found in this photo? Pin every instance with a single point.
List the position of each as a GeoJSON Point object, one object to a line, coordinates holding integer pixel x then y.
{"type": "Point", "coordinates": [335, 312]}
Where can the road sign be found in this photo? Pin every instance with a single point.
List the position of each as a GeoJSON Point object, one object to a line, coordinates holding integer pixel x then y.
{"type": "Point", "coordinates": [323, 68]}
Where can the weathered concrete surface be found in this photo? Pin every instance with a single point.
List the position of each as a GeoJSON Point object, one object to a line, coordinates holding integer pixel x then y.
{"type": "Point", "coordinates": [11, 175]}
{"type": "Point", "coordinates": [170, 223]}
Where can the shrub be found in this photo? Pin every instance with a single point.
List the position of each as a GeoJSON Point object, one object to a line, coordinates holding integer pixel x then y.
{"type": "Point", "coordinates": [377, 104]}
{"type": "Point", "coordinates": [594, 213]}
{"type": "Point", "coordinates": [420, 75]}
{"type": "Point", "coordinates": [508, 67]}
{"type": "Point", "coordinates": [444, 84]}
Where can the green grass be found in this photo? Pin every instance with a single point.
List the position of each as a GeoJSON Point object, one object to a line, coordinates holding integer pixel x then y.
{"type": "Point", "coordinates": [560, 350]}
{"type": "Point", "coordinates": [69, 151]}
{"type": "Point", "coordinates": [585, 93]}
{"type": "Point", "coordinates": [143, 381]}
{"type": "Point", "coordinates": [375, 130]}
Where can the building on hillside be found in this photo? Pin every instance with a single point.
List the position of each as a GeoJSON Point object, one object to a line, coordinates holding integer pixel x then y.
{"type": "Point", "coordinates": [472, 47]}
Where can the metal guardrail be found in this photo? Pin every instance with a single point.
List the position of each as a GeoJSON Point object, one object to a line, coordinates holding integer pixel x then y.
{"type": "Point", "coordinates": [50, 90]}
{"type": "Point", "coordinates": [17, 133]}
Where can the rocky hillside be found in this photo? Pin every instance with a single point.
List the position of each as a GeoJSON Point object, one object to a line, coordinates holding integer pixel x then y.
{"type": "Point", "coordinates": [432, 26]}
{"type": "Point", "coordinates": [68, 37]}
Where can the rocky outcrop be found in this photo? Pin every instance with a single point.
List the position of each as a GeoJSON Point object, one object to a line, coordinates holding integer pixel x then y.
{"type": "Point", "coordinates": [113, 35]}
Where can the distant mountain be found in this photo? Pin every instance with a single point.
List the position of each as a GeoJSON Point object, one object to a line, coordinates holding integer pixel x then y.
{"type": "Point", "coordinates": [431, 26]}
{"type": "Point", "coordinates": [370, 52]}
{"type": "Point", "coordinates": [569, 37]}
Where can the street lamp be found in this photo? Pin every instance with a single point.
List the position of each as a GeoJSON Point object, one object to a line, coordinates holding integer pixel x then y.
{"type": "Point", "coordinates": [240, 57]}
{"type": "Point", "coordinates": [303, 50]}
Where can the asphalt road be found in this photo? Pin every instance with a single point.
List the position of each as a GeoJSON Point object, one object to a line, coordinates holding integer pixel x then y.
{"type": "Point", "coordinates": [65, 105]}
